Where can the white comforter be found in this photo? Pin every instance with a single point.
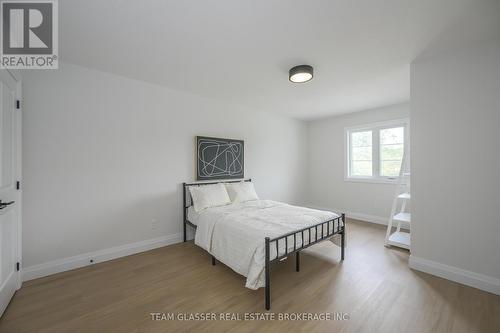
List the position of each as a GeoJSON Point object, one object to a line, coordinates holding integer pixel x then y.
{"type": "Point", "coordinates": [235, 233]}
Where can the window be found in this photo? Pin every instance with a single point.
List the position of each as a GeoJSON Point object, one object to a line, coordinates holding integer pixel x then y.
{"type": "Point", "coordinates": [362, 154]}
{"type": "Point", "coordinates": [374, 152]}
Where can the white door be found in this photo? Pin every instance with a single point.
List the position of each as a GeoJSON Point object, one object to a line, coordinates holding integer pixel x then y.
{"type": "Point", "coordinates": [10, 216]}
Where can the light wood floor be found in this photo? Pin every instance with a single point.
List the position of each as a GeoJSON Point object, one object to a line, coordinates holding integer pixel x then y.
{"type": "Point", "coordinates": [373, 285]}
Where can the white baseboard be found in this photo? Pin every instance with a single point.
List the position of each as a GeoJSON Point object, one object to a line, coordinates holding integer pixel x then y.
{"type": "Point", "coordinates": [479, 281]}
{"type": "Point", "coordinates": [81, 260]}
{"type": "Point", "coordinates": [360, 216]}
{"type": "Point", "coordinates": [367, 217]}
{"type": "Point", "coordinates": [356, 216]}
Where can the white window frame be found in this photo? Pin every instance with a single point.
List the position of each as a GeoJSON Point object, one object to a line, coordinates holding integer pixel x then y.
{"type": "Point", "coordinates": [375, 128]}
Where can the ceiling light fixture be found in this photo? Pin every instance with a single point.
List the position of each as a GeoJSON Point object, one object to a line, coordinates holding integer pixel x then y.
{"type": "Point", "coordinates": [300, 74]}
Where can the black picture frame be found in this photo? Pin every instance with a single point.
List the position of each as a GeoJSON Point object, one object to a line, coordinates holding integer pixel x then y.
{"type": "Point", "coordinates": [219, 158]}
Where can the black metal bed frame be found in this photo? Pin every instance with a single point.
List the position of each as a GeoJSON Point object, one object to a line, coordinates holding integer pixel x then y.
{"type": "Point", "coordinates": [337, 227]}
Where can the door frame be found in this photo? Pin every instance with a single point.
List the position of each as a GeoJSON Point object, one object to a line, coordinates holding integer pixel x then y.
{"type": "Point", "coordinates": [19, 172]}
{"type": "Point", "coordinates": [15, 75]}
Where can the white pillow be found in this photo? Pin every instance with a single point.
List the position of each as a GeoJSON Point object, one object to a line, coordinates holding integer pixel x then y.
{"type": "Point", "coordinates": [241, 192]}
{"type": "Point", "coordinates": [206, 196]}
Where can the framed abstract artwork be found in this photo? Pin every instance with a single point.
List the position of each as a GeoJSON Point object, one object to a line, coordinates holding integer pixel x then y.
{"type": "Point", "coordinates": [218, 158]}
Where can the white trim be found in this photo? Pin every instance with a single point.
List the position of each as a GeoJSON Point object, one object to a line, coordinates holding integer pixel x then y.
{"type": "Point", "coordinates": [19, 171]}
{"type": "Point", "coordinates": [15, 73]}
{"type": "Point", "coordinates": [360, 216]}
{"type": "Point", "coordinates": [379, 124]}
{"type": "Point", "coordinates": [353, 215]}
{"type": "Point", "coordinates": [13, 80]}
{"type": "Point", "coordinates": [373, 180]}
{"type": "Point", "coordinates": [81, 260]}
{"type": "Point", "coordinates": [367, 218]}
{"type": "Point", "coordinates": [476, 280]}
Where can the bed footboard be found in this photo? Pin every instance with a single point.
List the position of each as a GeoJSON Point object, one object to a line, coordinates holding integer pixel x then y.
{"type": "Point", "coordinates": [301, 239]}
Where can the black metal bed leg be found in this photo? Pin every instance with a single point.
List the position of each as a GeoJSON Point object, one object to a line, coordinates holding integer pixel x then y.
{"type": "Point", "coordinates": [184, 231]}
{"type": "Point", "coordinates": [213, 261]}
{"type": "Point", "coordinates": [184, 209]}
{"type": "Point", "coordinates": [342, 240]}
{"type": "Point", "coordinates": [267, 276]}
{"type": "Point", "coordinates": [297, 261]}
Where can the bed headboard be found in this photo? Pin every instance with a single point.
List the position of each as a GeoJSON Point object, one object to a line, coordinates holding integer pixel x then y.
{"type": "Point", "coordinates": [188, 202]}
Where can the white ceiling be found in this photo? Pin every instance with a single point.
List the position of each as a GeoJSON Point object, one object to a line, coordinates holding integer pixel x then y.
{"type": "Point", "coordinates": [240, 51]}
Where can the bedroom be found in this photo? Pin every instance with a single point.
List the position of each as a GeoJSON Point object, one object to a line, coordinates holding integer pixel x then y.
{"type": "Point", "coordinates": [102, 144]}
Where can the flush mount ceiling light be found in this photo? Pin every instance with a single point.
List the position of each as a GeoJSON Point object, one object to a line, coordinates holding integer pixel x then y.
{"type": "Point", "coordinates": [300, 74]}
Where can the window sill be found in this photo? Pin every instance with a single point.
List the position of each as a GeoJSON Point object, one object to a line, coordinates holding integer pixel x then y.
{"type": "Point", "coordinates": [373, 180]}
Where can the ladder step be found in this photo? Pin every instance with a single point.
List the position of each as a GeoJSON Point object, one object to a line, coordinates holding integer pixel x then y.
{"type": "Point", "coordinates": [402, 217]}
{"type": "Point", "coordinates": [404, 196]}
{"type": "Point", "coordinates": [400, 239]}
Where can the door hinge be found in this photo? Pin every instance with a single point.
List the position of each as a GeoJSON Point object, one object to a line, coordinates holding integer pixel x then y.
{"type": "Point", "coordinates": [18, 266]}
{"type": "Point", "coordinates": [18, 185]}
{"type": "Point", "coordinates": [18, 104]}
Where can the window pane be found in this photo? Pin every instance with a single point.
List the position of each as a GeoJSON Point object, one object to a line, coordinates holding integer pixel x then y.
{"type": "Point", "coordinates": [361, 153]}
{"type": "Point", "coordinates": [361, 168]}
{"type": "Point", "coordinates": [361, 139]}
{"type": "Point", "coordinates": [392, 135]}
{"type": "Point", "coordinates": [391, 151]}
{"type": "Point", "coordinates": [390, 168]}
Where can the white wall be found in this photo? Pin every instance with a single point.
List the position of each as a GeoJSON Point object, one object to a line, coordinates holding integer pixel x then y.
{"type": "Point", "coordinates": [455, 140]}
{"type": "Point", "coordinates": [104, 155]}
{"type": "Point", "coordinates": [327, 187]}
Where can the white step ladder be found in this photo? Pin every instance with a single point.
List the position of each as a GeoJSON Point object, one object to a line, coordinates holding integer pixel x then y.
{"type": "Point", "coordinates": [402, 195]}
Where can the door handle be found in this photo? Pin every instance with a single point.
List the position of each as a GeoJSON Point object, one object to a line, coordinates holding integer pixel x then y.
{"type": "Point", "coordinates": [5, 204]}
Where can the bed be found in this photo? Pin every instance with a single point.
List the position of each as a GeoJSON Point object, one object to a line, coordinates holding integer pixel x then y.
{"type": "Point", "coordinates": [249, 236]}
